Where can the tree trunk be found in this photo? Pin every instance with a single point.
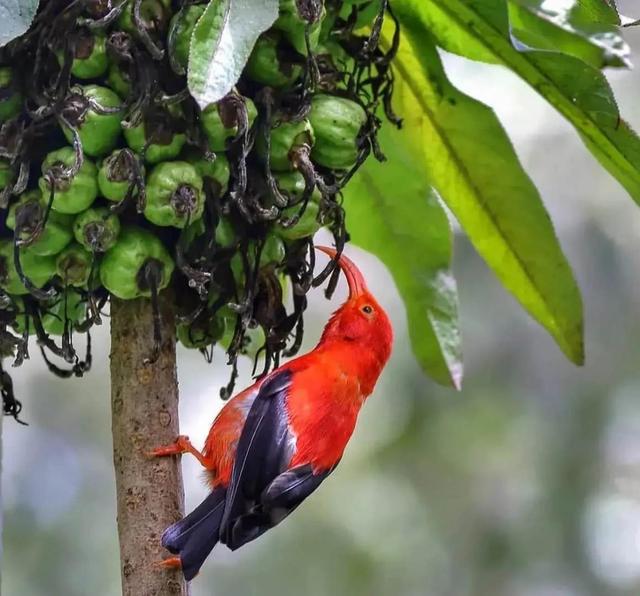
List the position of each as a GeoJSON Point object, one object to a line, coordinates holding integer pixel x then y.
{"type": "Point", "coordinates": [144, 403]}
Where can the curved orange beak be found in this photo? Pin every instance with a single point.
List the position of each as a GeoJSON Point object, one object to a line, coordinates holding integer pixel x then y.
{"type": "Point", "coordinates": [357, 285]}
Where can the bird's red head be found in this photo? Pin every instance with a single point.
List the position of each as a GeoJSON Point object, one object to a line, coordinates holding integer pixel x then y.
{"type": "Point", "coordinates": [360, 319]}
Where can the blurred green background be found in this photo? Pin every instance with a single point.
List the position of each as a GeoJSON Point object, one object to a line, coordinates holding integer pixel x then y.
{"type": "Point", "coordinates": [527, 483]}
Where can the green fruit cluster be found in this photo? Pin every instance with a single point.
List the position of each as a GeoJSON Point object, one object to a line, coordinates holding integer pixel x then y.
{"type": "Point", "coordinates": [135, 188]}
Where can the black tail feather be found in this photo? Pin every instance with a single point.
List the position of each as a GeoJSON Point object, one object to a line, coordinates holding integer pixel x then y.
{"type": "Point", "coordinates": [194, 536]}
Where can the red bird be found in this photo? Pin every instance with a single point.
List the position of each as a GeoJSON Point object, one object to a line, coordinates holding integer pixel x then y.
{"type": "Point", "coordinates": [275, 442]}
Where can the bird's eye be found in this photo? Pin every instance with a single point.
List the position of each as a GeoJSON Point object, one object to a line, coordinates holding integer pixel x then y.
{"type": "Point", "coordinates": [367, 309]}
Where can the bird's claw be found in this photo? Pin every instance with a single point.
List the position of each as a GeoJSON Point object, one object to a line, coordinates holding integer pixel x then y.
{"type": "Point", "coordinates": [178, 447]}
{"type": "Point", "coordinates": [168, 564]}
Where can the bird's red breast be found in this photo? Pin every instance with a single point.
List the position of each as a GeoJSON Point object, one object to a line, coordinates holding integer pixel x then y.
{"type": "Point", "coordinates": [329, 386]}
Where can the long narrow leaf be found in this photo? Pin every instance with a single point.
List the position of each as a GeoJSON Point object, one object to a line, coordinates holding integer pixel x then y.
{"type": "Point", "coordinates": [472, 164]}
{"type": "Point", "coordinates": [479, 29]}
{"type": "Point", "coordinates": [393, 213]}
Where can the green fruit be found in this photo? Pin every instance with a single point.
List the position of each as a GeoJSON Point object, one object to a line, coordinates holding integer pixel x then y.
{"type": "Point", "coordinates": [286, 137]}
{"type": "Point", "coordinates": [157, 136]}
{"type": "Point", "coordinates": [72, 195]}
{"type": "Point", "coordinates": [31, 208]}
{"type": "Point", "coordinates": [293, 23]}
{"type": "Point", "coordinates": [10, 97]}
{"type": "Point", "coordinates": [70, 306]}
{"type": "Point", "coordinates": [96, 229]}
{"type": "Point", "coordinates": [306, 226]}
{"type": "Point", "coordinates": [89, 52]}
{"type": "Point", "coordinates": [337, 123]}
{"type": "Point", "coordinates": [336, 64]}
{"type": "Point", "coordinates": [99, 133]}
{"type": "Point", "coordinates": [253, 340]}
{"type": "Point", "coordinates": [267, 66]}
{"type": "Point", "coordinates": [155, 15]}
{"type": "Point", "coordinates": [119, 80]}
{"type": "Point", "coordinates": [123, 266]}
{"type": "Point", "coordinates": [273, 253]}
{"type": "Point", "coordinates": [180, 30]}
{"type": "Point", "coordinates": [175, 194]}
{"type": "Point", "coordinates": [39, 270]}
{"type": "Point", "coordinates": [116, 175]}
{"type": "Point", "coordinates": [73, 265]}
{"type": "Point", "coordinates": [292, 185]}
{"type": "Point", "coordinates": [225, 235]}
{"type": "Point", "coordinates": [220, 121]}
{"type": "Point", "coordinates": [202, 333]}
{"type": "Point", "coordinates": [216, 172]}
{"type": "Point", "coordinates": [6, 174]}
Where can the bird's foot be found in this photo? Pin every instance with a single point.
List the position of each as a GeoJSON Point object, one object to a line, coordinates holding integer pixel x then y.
{"type": "Point", "coordinates": [181, 445]}
{"type": "Point", "coordinates": [169, 564]}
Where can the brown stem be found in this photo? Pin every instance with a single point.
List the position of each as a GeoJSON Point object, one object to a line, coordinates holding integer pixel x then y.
{"type": "Point", "coordinates": [144, 402]}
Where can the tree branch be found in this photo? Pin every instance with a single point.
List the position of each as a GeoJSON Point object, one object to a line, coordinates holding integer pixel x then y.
{"type": "Point", "coordinates": [144, 402]}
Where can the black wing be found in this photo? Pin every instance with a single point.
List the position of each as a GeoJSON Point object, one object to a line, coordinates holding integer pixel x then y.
{"type": "Point", "coordinates": [263, 453]}
{"type": "Point", "coordinates": [277, 501]}
{"type": "Point", "coordinates": [289, 489]}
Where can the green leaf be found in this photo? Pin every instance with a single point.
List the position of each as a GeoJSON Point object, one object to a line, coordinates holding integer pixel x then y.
{"type": "Point", "coordinates": [567, 29]}
{"type": "Point", "coordinates": [409, 231]}
{"type": "Point", "coordinates": [599, 11]}
{"type": "Point", "coordinates": [221, 44]}
{"type": "Point", "coordinates": [15, 18]}
{"type": "Point", "coordinates": [472, 164]}
{"type": "Point", "coordinates": [579, 92]}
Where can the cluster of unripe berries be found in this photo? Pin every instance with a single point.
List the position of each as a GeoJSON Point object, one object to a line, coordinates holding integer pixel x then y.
{"type": "Point", "coordinates": [134, 188]}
